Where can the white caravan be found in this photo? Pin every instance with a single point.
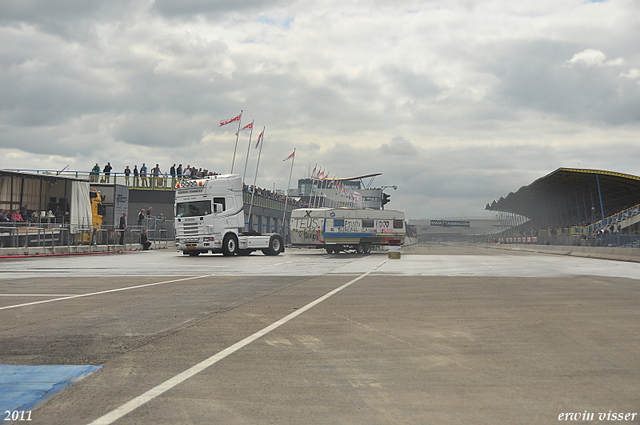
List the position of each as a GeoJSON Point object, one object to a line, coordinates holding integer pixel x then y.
{"type": "Point", "coordinates": [339, 229]}
{"type": "Point", "coordinates": [209, 216]}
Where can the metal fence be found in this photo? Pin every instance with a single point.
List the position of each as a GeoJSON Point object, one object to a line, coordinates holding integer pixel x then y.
{"type": "Point", "coordinates": [603, 240]}
{"type": "Point", "coordinates": [24, 236]}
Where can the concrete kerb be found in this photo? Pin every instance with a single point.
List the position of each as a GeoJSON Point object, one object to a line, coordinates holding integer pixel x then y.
{"type": "Point", "coordinates": [605, 253]}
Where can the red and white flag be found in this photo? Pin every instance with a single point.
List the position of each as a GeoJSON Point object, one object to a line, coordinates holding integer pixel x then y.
{"type": "Point", "coordinates": [247, 127]}
{"type": "Point", "coordinates": [225, 122]}
{"type": "Point", "coordinates": [259, 139]}
{"type": "Point", "coordinates": [313, 173]}
{"type": "Point", "coordinates": [290, 156]}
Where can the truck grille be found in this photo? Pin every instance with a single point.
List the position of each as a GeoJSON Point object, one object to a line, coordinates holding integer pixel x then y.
{"type": "Point", "coordinates": [190, 229]}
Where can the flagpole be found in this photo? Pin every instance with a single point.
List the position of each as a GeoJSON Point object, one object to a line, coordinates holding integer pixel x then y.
{"type": "Point", "coordinates": [322, 198]}
{"type": "Point", "coordinates": [248, 149]}
{"type": "Point", "coordinates": [237, 136]}
{"type": "Point", "coordinates": [311, 174]}
{"type": "Point", "coordinates": [286, 197]}
{"type": "Point", "coordinates": [253, 192]}
{"type": "Point", "coordinates": [315, 194]}
{"type": "Point", "coordinates": [312, 194]}
{"type": "Point", "coordinates": [315, 199]}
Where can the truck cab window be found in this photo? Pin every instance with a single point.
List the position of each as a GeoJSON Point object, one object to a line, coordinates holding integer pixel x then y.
{"type": "Point", "coordinates": [220, 201]}
{"type": "Point", "coordinates": [193, 209]}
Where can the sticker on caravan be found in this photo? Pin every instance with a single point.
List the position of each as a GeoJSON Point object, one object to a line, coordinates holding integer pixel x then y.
{"type": "Point", "coordinates": [383, 226]}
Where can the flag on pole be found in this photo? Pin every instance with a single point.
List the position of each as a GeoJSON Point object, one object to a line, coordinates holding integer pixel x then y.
{"type": "Point", "coordinates": [290, 156]}
{"type": "Point", "coordinates": [247, 127]}
{"type": "Point", "coordinates": [259, 139]}
{"type": "Point", "coordinates": [313, 173]}
{"type": "Point", "coordinates": [225, 122]}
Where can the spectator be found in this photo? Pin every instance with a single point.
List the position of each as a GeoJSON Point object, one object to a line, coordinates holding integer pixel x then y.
{"type": "Point", "coordinates": [141, 217]}
{"type": "Point", "coordinates": [127, 172]}
{"type": "Point", "coordinates": [24, 212]}
{"type": "Point", "coordinates": [136, 173]}
{"type": "Point", "coordinates": [123, 227]}
{"type": "Point", "coordinates": [3, 216]}
{"type": "Point", "coordinates": [16, 216]}
{"type": "Point", "coordinates": [107, 172]}
{"type": "Point", "coordinates": [95, 172]}
{"type": "Point", "coordinates": [157, 175]}
{"type": "Point", "coordinates": [144, 241]}
{"type": "Point", "coordinates": [143, 175]}
{"type": "Point", "coordinates": [179, 171]}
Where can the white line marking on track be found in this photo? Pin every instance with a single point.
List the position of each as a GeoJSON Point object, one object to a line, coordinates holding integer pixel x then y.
{"type": "Point", "coordinates": [37, 295]}
{"type": "Point", "coordinates": [70, 297]}
{"type": "Point", "coordinates": [142, 399]}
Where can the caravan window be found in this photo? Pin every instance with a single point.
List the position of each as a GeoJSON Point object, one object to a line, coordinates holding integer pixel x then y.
{"type": "Point", "coordinates": [367, 224]}
{"type": "Point", "coordinates": [398, 224]}
{"type": "Point", "coordinates": [193, 209]}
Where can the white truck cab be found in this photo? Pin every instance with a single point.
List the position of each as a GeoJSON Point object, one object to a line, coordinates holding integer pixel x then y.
{"type": "Point", "coordinates": [209, 216]}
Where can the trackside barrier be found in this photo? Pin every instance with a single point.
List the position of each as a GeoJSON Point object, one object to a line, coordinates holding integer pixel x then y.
{"type": "Point", "coordinates": [60, 239]}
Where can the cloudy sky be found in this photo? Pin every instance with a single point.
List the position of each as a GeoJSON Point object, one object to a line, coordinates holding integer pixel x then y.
{"type": "Point", "coordinates": [457, 102]}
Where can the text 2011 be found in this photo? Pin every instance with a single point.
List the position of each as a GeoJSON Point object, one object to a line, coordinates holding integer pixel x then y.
{"type": "Point", "coordinates": [17, 415]}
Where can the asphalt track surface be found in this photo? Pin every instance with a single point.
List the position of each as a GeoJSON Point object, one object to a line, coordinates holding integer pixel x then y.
{"type": "Point", "coordinates": [444, 335]}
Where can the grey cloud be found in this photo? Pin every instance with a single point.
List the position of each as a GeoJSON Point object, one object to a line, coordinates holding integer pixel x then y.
{"type": "Point", "coordinates": [534, 76]}
{"type": "Point", "coordinates": [65, 17]}
{"type": "Point", "coordinates": [399, 146]}
{"type": "Point", "coordinates": [187, 8]}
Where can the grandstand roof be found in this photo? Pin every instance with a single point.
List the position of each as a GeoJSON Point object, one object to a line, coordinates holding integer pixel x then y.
{"type": "Point", "coordinates": [569, 196]}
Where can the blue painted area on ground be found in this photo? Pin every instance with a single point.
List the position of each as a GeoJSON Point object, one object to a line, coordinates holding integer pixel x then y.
{"type": "Point", "coordinates": [22, 387]}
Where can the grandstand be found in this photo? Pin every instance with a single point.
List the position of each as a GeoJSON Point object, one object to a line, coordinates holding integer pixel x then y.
{"type": "Point", "coordinates": [575, 207]}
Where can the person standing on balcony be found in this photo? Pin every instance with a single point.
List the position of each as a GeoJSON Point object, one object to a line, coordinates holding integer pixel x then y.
{"type": "Point", "coordinates": [143, 175]}
{"type": "Point", "coordinates": [136, 173]}
{"type": "Point", "coordinates": [172, 171]}
{"type": "Point", "coordinates": [156, 175]}
{"type": "Point", "coordinates": [95, 172]}
{"type": "Point", "coordinates": [127, 172]}
{"type": "Point", "coordinates": [107, 172]}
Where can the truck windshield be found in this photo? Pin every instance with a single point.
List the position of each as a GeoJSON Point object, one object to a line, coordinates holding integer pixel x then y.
{"type": "Point", "coordinates": [193, 209]}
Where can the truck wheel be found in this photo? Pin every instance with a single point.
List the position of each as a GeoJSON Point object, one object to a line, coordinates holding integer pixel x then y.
{"type": "Point", "coordinates": [359, 249]}
{"type": "Point", "coordinates": [329, 250]}
{"type": "Point", "coordinates": [275, 246]}
{"type": "Point", "coordinates": [229, 245]}
{"type": "Point", "coordinates": [366, 248]}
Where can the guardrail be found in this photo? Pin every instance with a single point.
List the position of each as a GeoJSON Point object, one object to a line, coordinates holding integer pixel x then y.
{"type": "Point", "coordinates": [24, 239]}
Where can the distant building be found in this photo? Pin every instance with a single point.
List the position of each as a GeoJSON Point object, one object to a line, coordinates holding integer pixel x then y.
{"type": "Point", "coordinates": [337, 192]}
